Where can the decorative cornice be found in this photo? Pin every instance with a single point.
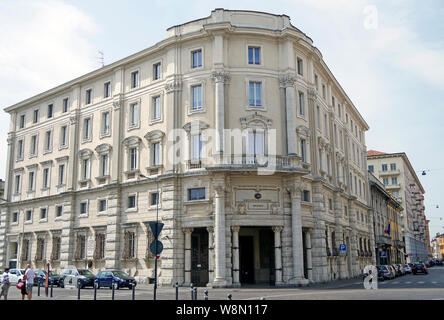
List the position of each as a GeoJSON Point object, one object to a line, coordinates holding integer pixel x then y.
{"type": "Point", "coordinates": [220, 76]}
{"type": "Point", "coordinates": [175, 85]}
{"type": "Point", "coordinates": [287, 80]}
{"type": "Point", "coordinates": [255, 118]}
{"type": "Point", "coordinates": [154, 135]}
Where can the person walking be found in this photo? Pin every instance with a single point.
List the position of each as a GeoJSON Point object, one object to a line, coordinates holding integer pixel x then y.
{"type": "Point", "coordinates": [5, 284]}
{"type": "Point", "coordinates": [22, 282]}
{"type": "Point", "coordinates": [30, 275]}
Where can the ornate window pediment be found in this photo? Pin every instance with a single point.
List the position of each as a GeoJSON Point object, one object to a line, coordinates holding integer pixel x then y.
{"type": "Point", "coordinates": [103, 148]}
{"type": "Point", "coordinates": [303, 131]}
{"type": "Point", "coordinates": [85, 153]}
{"type": "Point", "coordinates": [195, 126]}
{"type": "Point", "coordinates": [256, 121]}
{"type": "Point", "coordinates": [132, 141]}
{"type": "Point", "coordinates": [154, 135]}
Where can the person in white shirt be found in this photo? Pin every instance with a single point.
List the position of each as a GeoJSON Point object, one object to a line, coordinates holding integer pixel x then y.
{"type": "Point", "coordinates": [5, 284]}
{"type": "Point", "coordinates": [29, 275]}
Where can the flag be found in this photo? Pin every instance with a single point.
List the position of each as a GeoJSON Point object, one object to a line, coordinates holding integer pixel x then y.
{"type": "Point", "coordinates": [388, 229]}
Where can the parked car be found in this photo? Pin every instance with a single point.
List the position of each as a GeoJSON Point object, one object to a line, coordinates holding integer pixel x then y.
{"type": "Point", "coordinates": [419, 268]}
{"type": "Point", "coordinates": [387, 272]}
{"type": "Point", "coordinates": [439, 262]}
{"type": "Point", "coordinates": [85, 276]}
{"type": "Point", "coordinates": [119, 278]}
{"type": "Point", "coordinates": [401, 269]}
{"type": "Point", "coordinates": [15, 275]}
{"type": "Point", "coordinates": [41, 277]}
{"type": "Point", "coordinates": [407, 268]}
{"type": "Point", "coordinates": [397, 271]}
{"type": "Point", "coordinates": [380, 274]}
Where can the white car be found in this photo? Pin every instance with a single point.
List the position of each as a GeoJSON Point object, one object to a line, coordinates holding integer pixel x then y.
{"type": "Point", "coordinates": [15, 275]}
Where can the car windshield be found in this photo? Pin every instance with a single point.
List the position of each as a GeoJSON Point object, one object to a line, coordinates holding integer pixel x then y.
{"type": "Point", "coordinates": [53, 274]}
{"type": "Point", "coordinates": [120, 274]}
{"type": "Point", "coordinates": [22, 271]}
{"type": "Point", "coordinates": [85, 273]}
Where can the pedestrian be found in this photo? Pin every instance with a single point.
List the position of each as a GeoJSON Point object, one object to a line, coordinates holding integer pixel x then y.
{"type": "Point", "coordinates": [5, 284]}
{"type": "Point", "coordinates": [30, 275]}
{"type": "Point", "coordinates": [22, 285]}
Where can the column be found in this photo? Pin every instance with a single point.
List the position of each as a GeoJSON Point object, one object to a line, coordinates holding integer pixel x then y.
{"type": "Point", "coordinates": [278, 255]}
{"type": "Point", "coordinates": [220, 77]}
{"type": "Point", "coordinates": [287, 82]}
{"type": "Point", "coordinates": [236, 270]}
{"type": "Point", "coordinates": [187, 232]}
{"type": "Point", "coordinates": [210, 254]}
{"type": "Point", "coordinates": [309, 257]}
{"type": "Point", "coordinates": [219, 237]}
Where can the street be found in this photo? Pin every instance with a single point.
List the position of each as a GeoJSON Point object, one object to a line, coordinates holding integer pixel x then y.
{"type": "Point", "coordinates": [408, 287]}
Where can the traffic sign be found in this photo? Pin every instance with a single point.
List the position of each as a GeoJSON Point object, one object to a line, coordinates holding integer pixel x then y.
{"type": "Point", "coordinates": [342, 247]}
{"type": "Point", "coordinates": [156, 228]}
{"type": "Point", "coordinates": [153, 247]}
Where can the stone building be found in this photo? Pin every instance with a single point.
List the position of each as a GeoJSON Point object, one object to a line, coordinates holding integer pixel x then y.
{"type": "Point", "coordinates": [233, 125]}
{"type": "Point", "coordinates": [395, 171]}
{"type": "Point", "coordinates": [387, 215]}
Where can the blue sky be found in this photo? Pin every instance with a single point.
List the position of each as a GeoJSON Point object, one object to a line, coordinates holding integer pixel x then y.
{"type": "Point", "coordinates": [393, 73]}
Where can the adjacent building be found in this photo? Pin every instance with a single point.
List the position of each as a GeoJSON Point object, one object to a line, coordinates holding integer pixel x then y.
{"type": "Point", "coordinates": [396, 173]}
{"type": "Point", "coordinates": [438, 246]}
{"type": "Point", "coordinates": [232, 127]}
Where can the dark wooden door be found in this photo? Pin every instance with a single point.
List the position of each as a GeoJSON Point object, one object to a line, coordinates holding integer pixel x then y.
{"type": "Point", "coordinates": [246, 254]}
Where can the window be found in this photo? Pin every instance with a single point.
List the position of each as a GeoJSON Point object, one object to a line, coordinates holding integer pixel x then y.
{"type": "Point", "coordinates": [48, 141]}
{"type": "Point", "coordinates": [156, 154]}
{"type": "Point", "coordinates": [395, 180]}
{"type": "Point", "coordinates": [196, 58]}
{"type": "Point", "coordinates": [306, 196]}
{"type": "Point", "coordinates": [17, 184]}
{"type": "Point", "coordinates": [59, 211]}
{"type": "Point", "coordinates": [105, 123]}
{"type": "Point", "coordinates": [88, 98]}
{"type": "Point", "coordinates": [133, 159]}
{"type": "Point", "coordinates": [385, 181]}
{"type": "Point", "coordinates": [255, 93]}
{"type": "Point", "coordinates": [156, 108]}
{"type": "Point", "coordinates": [371, 168]}
{"type": "Point", "coordinates": [134, 79]}
{"type": "Point", "coordinates": [84, 207]}
{"type": "Point", "coordinates": [339, 111]}
{"type": "Point", "coordinates": [104, 165]}
{"type": "Point", "coordinates": [87, 129]}
{"type": "Point", "coordinates": [45, 178]}
{"type": "Point", "coordinates": [256, 143]}
{"type": "Point", "coordinates": [15, 217]}
{"type": "Point", "coordinates": [33, 151]}
{"type": "Point", "coordinates": [63, 136]}
{"type": "Point", "coordinates": [22, 121]}
{"type": "Point", "coordinates": [20, 149]}
{"type": "Point", "coordinates": [50, 110]}
{"type": "Point", "coordinates": [80, 248]}
{"type": "Point", "coordinates": [107, 90]}
{"type": "Point", "coordinates": [129, 247]}
{"type": "Point", "coordinates": [43, 213]}
{"type": "Point", "coordinates": [326, 124]}
{"type": "Point", "coordinates": [133, 114]}
{"type": "Point", "coordinates": [31, 180]}
{"type": "Point", "coordinates": [323, 91]}
{"type": "Point", "coordinates": [85, 169]}
{"type": "Point", "coordinates": [102, 205]}
{"type": "Point", "coordinates": [154, 198]}
{"type": "Point", "coordinates": [301, 104]}
{"type": "Point", "coordinates": [345, 211]}
{"type": "Point", "coordinates": [36, 116]}
{"type": "Point", "coordinates": [328, 163]}
{"type": "Point", "coordinates": [303, 150]}
{"type": "Point", "coordinates": [393, 166]}
{"type": "Point", "coordinates": [28, 215]}
{"type": "Point", "coordinates": [300, 66]}
{"type": "Point", "coordinates": [196, 194]}
{"type": "Point", "coordinates": [61, 174]}
{"type": "Point", "coordinates": [318, 116]}
{"type": "Point", "coordinates": [254, 55]}
{"type": "Point", "coordinates": [56, 245]}
{"type": "Point", "coordinates": [320, 160]}
{"type": "Point", "coordinates": [196, 147]}
{"type": "Point", "coordinates": [330, 204]}
{"type": "Point", "coordinates": [335, 132]}
{"type": "Point", "coordinates": [384, 167]}
{"type": "Point", "coordinates": [333, 102]}
{"type": "Point", "coordinates": [131, 201]}
{"type": "Point", "coordinates": [65, 105]}
{"type": "Point", "coordinates": [197, 97]}
{"type": "Point", "coordinates": [157, 71]}
{"type": "Point", "coordinates": [316, 82]}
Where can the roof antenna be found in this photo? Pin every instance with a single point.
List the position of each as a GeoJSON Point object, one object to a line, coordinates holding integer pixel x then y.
{"type": "Point", "coordinates": [102, 58]}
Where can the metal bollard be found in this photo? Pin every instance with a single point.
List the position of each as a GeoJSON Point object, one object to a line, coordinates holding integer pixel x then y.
{"type": "Point", "coordinates": [191, 290]}
{"type": "Point", "coordinates": [78, 289]}
{"type": "Point", "coordinates": [95, 291]}
{"type": "Point", "coordinates": [133, 297]}
{"type": "Point", "coordinates": [52, 286]}
{"type": "Point", "coordinates": [177, 290]}
{"type": "Point", "coordinates": [230, 296]}
{"type": "Point", "coordinates": [195, 293]}
{"type": "Point", "coordinates": [38, 287]}
{"type": "Point", "coordinates": [112, 284]}
{"type": "Point", "coordinates": [206, 294]}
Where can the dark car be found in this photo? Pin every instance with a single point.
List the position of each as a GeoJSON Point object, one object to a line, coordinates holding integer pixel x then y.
{"type": "Point", "coordinates": [41, 277]}
{"type": "Point", "coordinates": [419, 268]}
{"type": "Point", "coordinates": [387, 272]}
{"type": "Point", "coordinates": [84, 276]}
{"type": "Point", "coordinates": [117, 278]}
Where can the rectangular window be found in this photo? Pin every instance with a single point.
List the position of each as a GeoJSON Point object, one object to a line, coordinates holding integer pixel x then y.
{"type": "Point", "coordinates": [157, 71]}
{"type": "Point", "coordinates": [323, 91]}
{"type": "Point", "coordinates": [46, 178]}
{"type": "Point", "coordinates": [31, 181]}
{"type": "Point", "coordinates": [393, 166]}
{"type": "Point", "coordinates": [196, 151]}
{"type": "Point", "coordinates": [83, 208]}
{"type": "Point", "coordinates": [105, 123]}
{"type": "Point", "coordinates": [134, 114]}
{"type": "Point", "coordinates": [256, 143]}
{"type": "Point", "coordinates": [156, 154]}
{"type": "Point", "coordinates": [254, 55]}
{"type": "Point", "coordinates": [135, 79]}
{"type": "Point", "coordinates": [339, 111]}
{"type": "Point", "coordinates": [59, 211]}
{"type": "Point", "coordinates": [154, 198]}
{"type": "Point", "coordinates": [196, 57]}
{"type": "Point", "coordinates": [335, 131]}
{"type": "Point", "coordinates": [17, 184]}
{"type": "Point", "coordinates": [61, 174]}
{"type": "Point", "coordinates": [318, 116]}
{"type": "Point", "coordinates": [156, 107]}
{"type": "Point", "coordinates": [102, 205]}
{"type": "Point", "coordinates": [328, 163]}
{"type": "Point", "coordinates": [88, 98]}
{"type": "Point", "coordinates": [301, 104]}
{"type": "Point", "coordinates": [107, 90]}
{"type": "Point", "coordinates": [384, 167]}
{"type": "Point", "coordinates": [300, 66]}
{"type": "Point", "coordinates": [63, 136]}
{"type": "Point", "coordinates": [385, 181]}
{"type": "Point", "coordinates": [65, 105]}
{"type": "Point", "coordinates": [326, 124]}
{"type": "Point", "coordinates": [394, 181]}
{"type": "Point", "coordinates": [104, 165]}
{"type": "Point", "coordinates": [303, 150]}
{"type": "Point", "coordinates": [36, 116]}
{"type": "Point", "coordinates": [28, 215]}
{"type": "Point", "coordinates": [196, 194]}
{"type": "Point", "coordinates": [85, 172]}
{"type": "Point", "coordinates": [33, 151]}
{"type": "Point", "coordinates": [42, 213]}
{"type": "Point", "coordinates": [87, 129]}
{"type": "Point", "coordinates": [316, 82]}
{"type": "Point", "coordinates": [306, 196]}
{"type": "Point", "coordinates": [20, 150]}
{"type": "Point", "coordinates": [320, 160]}
{"type": "Point", "coordinates": [15, 217]}
{"type": "Point", "coordinates": [50, 110]}
{"type": "Point", "coordinates": [371, 168]}
{"type": "Point", "coordinates": [133, 159]}
{"type": "Point", "coordinates": [131, 201]}
{"type": "Point", "coordinates": [330, 204]}
{"type": "Point", "coordinates": [197, 97]}
{"type": "Point", "coordinates": [22, 121]}
{"type": "Point", "coordinates": [255, 94]}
